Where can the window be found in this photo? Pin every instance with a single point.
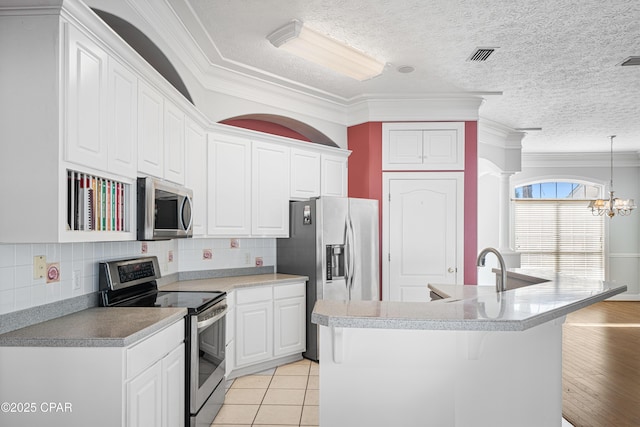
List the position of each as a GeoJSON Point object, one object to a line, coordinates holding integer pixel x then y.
{"type": "Point", "coordinates": [554, 230]}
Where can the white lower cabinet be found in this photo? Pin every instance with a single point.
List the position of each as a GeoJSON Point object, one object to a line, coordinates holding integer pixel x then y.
{"type": "Point", "coordinates": [289, 319]}
{"type": "Point", "coordinates": [135, 386]}
{"type": "Point", "coordinates": [269, 326]}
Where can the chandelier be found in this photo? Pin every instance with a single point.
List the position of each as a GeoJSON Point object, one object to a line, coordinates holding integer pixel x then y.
{"type": "Point", "coordinates": [612, 205]}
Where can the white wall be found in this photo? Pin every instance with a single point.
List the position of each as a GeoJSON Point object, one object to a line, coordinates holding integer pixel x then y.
{"type": "Point", "coordinates": [19, 290]}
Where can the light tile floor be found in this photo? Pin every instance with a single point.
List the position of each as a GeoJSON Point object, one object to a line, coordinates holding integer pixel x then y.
{"type": "Point", "coordinates": [284, 396]}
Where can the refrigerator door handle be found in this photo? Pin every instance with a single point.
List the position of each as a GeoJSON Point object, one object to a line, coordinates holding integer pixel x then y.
{"type": "Point", "coordinates": [351, 245]}
{"type": "Point", "coordinates": [347, 257]}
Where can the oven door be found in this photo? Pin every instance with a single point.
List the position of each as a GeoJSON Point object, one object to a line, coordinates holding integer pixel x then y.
{"type": "Point", "coordinates": [207, 365]}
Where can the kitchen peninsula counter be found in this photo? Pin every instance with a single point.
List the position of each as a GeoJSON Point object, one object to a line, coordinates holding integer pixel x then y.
{"type": "Point", "coordinates": [472, 308]}
{"type": "Point", "coordinates": [474, 358]}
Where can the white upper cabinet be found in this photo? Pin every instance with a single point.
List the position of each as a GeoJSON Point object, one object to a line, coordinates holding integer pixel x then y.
{"type": "Point", "coordinates": [229, 186]}
{"type": "Point", "coordinates": [122, 119]}
{"type": "Point", "coordinates": [150, 131]}
{"type": "Point", "coordinates": [160, 135]}
{"type": "Point", "coordinates": [334, 175]}
{"type": "Point", "coordinates": [423, 146]}
{"type": "Point", "coordinates": [173, 143]}
{"type": "Point", "coordinates": [269, 189]}
{"type": "Point", "coordinates": [86, 127]}
{"type": "Point", "coordinates": [196, 172]}
{"type": "Point", "coordinates": [305, 174]}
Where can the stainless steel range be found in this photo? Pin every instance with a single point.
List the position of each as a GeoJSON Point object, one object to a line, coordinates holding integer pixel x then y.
{"type": "Point", "coordinates": [132, 283]}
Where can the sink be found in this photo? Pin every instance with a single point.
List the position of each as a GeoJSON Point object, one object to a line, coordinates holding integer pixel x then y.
{"type": "Point", "coordinates": [518, 280]}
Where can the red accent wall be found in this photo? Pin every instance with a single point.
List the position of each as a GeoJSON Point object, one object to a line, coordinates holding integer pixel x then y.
{"type": "Point", "coordinates": [365, 181]}
{"type": "Point", "coordinates": [266, 127]}
{"type": "Point", "coordinates": [470, 202]}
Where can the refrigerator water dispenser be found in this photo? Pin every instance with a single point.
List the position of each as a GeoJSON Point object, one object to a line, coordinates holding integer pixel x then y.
{"type": "Point", "coordinates": [335, 261]}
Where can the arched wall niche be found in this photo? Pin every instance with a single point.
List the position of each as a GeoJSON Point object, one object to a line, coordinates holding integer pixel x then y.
{"type": "Point", "coordinates": [145, 48]}
{"type": "Point", "coordinates": [281, 126]}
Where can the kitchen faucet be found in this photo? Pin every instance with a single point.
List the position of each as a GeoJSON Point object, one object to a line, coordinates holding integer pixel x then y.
{"type": "Point", "coordinates": [501, 285]}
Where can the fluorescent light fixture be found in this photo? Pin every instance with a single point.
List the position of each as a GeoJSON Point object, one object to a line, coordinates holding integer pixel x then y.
{"type": "Point", "coordinates": [294, 37]}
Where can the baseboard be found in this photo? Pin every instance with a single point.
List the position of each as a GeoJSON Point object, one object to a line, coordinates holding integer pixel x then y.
{"type": "Point", "coordinates": [259, 367]}
{"type": "Point", "coordinates": [624, 297]}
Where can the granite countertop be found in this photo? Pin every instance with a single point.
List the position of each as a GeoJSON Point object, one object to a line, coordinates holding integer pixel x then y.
{"type": "Point", "coordinates": [95, 327]}
{"type": "Point", "coordinates": [227, 284]}
{"type": "Point", "coordinates": [472, 308]}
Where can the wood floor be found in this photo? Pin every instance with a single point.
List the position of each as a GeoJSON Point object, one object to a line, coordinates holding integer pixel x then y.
{"type": "Point", "coordinates": [601, 365]}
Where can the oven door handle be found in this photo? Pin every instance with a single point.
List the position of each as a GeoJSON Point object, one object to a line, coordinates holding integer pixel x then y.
{"type": "Point", "coordinates": [210, 321]}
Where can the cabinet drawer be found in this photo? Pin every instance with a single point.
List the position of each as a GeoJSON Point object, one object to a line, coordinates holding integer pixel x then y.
{"type": "Point", "coordinates": [289, 291]}
{"type": "Point", "coordinates": [154, 348]}
{"type": "Point", "coordinates": [257, 294]}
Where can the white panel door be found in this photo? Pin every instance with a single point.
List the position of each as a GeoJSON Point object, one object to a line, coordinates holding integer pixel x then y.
{"type": "Point", "coordinates": [254, 333]}
{"type": "Point", "coordinates": [405, 147]}
{"type": "Point", "coordinates": [289, 326]}
{"type": "Point", "coordinates": [86, 101]}
{"type": "Point", "coordinates": [334, 176]}
{"type": "Point", "coordinates": [122, 119]}
{"type": "Point", "coordinates": [173, 143]}
{"type": "Point", "coordinates": [150, 131]}
{"type": "Point", "coordinates": [173, 380]}
{"type": "Point", "coordinates": [196, 174]}
{"type": "Point", "coordinates": [305, 174]}
{"type": "Point", "coordinates": [144, 398]}
{"type": "Point", "coordinates": [269, 190]}
{"type": "Point", "coordinates": [229, 186]}
{"type": "Point", "coordinates": [423, 231]}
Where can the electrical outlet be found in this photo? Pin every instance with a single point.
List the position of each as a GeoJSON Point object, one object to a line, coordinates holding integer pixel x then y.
{"type": "Point", "coordinates": [259, 261]}
{"type": "Point", "coordinates": [39, 266]}
{"type": "Point", "coordinates": [235, 243]}
{"type": "Point", "coordinates": [247, 258]}
{"type": "Point", "coordinates": [75, 280]}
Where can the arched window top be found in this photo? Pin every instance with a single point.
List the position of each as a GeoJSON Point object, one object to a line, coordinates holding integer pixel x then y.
{"type": "Point", "coordinates": [558, 190]}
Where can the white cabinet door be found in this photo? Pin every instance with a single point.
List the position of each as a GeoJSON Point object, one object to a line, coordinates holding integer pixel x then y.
{"type": "Point", "coordinates": [196, 174]}
{"type": "Point", "coordinates": [144, 398]}
{"type": "Point", "coordinates": [173, 388]}
{"type": "Point", "coordinates": [334, 176]}
{"type": "Point", "coordinates": [269, 190]}
{"type": "Point", "coordinates": [173, 143]}
{"type": "Point", "coordinates": [150, 131]}
{"type": "Point", "coordinates": [122, 113]}
{"type": "Point", "coordinates": [289, 326]}
{"type": "Point", "coordinates": [405, 147]}
{"type": "Point", "coordinates": [229, 186]}
{"type": "Point", "coordinates": [86, 75]}
{"type": "Point", "coordinates": [305, 174]}
{"type": "Point", "coordinates": [254, 338]}
{"type": "Point", "coordinates": [423, 227]}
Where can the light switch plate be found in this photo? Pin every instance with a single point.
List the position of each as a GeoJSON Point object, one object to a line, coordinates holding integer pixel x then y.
{"type": "Point", "coordinates": [39, 266]}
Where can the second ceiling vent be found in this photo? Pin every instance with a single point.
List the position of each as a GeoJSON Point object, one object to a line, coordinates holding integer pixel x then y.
{"type": "Point", "coordinates": [481, 54]}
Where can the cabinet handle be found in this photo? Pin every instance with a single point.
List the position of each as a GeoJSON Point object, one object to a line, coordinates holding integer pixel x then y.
{"type": "Point", "coordinates": [452, 270]}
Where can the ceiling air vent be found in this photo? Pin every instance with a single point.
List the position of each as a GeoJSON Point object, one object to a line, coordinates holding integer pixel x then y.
{"type": "Point", "coordinates": [481, 54]}
{"type": "Point", "coordinates": [632, 60]}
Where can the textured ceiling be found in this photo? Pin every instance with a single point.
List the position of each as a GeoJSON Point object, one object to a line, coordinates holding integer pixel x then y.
{"type": "Point", "coordinates": [556, 66]}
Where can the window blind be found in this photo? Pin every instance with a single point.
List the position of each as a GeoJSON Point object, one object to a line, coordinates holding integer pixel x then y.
{"type": "Point", "coordinates": [559, 235]}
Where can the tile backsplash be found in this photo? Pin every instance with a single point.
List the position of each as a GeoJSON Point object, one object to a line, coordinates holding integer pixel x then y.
{"type": "Point", "coordinates": [19, 289]}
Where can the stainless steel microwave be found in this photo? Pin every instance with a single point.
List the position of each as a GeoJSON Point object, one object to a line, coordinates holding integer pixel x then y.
{"type": "Point", "coordinates": [165, 210]}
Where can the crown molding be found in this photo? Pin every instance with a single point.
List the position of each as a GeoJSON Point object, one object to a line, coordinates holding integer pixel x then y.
{"type": "Point", "coordinates": [578, 160]}
{"type": "Point", "coordinates": [499, 135]}
{"type": "Point", "coordinates": [425, 107]}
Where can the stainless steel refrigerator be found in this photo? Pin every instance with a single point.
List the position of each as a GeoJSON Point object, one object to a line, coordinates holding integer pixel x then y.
{"type": "Point", "coordinates": [333, 241]}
